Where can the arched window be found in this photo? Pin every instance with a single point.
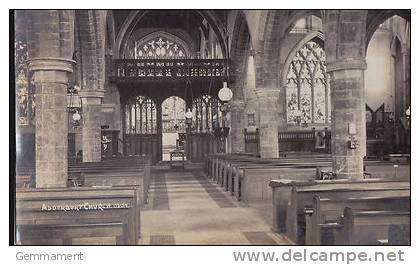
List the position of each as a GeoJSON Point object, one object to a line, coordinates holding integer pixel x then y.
{"type": "Point", "coordinates": [307, 86]}
{"type": "Point", "coordinates": [140, 115]}
{"type": "Point", "coordinates": [206, 114]}
{"type": "Point", "coordinates": [160, 46]}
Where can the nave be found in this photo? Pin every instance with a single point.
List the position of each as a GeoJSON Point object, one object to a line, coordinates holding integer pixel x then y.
{"type": "Point", "coordinates": [186, 209]}
{"type": "Point", "coordinates": [293, 127]}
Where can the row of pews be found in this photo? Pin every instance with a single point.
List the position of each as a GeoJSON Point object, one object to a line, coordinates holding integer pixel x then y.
{"type": "Point", "coordinates": [312, 211]}
{"type": "Point", "coordinates": [100, 206]}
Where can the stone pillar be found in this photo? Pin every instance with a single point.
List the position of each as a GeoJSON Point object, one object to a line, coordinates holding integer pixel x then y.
{"type": "Point", "coordinates": [269, 119]}
{"type": "Point", "coordinates": [237, 126]}
{"type": "Point", "coordinates": [51, 129]}
{"type": "Point", "coordinates": [345, 52]}
{"type": "Point", "coordinates": [91, 130]}
{"type": "Point", "coordinates": [348, 110]}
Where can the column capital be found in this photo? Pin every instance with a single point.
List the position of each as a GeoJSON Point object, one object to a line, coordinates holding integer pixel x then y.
{"type": "Point", "coordinates": [91, 97]}
{"type": "Point", "coordinates": [352, 64]}
{"type": "Point", "coordinates": [92, 93]}
{"type": "Point", "coordinates": [51, 64]}
{"type": "Point", "coordinates": [237, 104]}
{"type": "Point", "coordinates": [267, 93]}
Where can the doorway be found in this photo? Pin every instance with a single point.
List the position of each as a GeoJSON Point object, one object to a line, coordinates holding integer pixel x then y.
{"type": "Point", "coordinates": [173, 126]}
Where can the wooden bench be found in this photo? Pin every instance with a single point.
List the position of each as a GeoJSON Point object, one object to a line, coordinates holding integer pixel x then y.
{"type": "Point", "coordinates": [282, 195]}
{"type": "Point", "coordinates": [62, 209]}
{"type": "Point", "coordinates": [251, 183]}
{"type": "Point", "coordinates": [326, 210]}
{"type": "Point", "coordinates": [371, 227]}
{"type": "Point", "coordinates": [139, 179]}
{"type": "Point", "coordinates": [302, 198]}
{"type": "Point", "coordinates": [68, 234]}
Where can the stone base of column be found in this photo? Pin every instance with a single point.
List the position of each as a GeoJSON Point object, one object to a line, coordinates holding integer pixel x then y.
{"type": "Point", "coordinates": [348, 167]}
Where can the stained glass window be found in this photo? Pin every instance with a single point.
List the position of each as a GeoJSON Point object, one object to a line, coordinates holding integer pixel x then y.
{"type": "Point", "coordinates": [25, 88]}
{"type": "Point", "coordinates": [140, 114]}
{"type": "Point", "coordinates": [159, 47]}
{"type": "Point", "coordinates": [308, 92]}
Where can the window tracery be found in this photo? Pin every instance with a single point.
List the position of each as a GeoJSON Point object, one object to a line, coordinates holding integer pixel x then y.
{"type": "Point", "coordinates": [141, 116]}
{"type": "Point", "coordinates": [160, 47]}
{"type": "Point", "coordinates": [206, 114]}
{"type": "Point", "coordinates": [307, 86]}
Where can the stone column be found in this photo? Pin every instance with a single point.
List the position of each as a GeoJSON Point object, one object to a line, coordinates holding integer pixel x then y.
{"type": "Point", "coordinates": [348, 110]}
{"type": "Point", "coordinates": [345, 53]}
{"type": "Point", "coordinates": [51, 129]}
{"type": "Point", "coordinates": [237, 126]}
{"type": "Point", "coordinates": [91, 130]}
{"type": "Point", "coordinates": [269, 119]}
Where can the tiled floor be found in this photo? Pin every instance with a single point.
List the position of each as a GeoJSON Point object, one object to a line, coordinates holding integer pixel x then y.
{"type": "Point", "coordinates": [186, 209]}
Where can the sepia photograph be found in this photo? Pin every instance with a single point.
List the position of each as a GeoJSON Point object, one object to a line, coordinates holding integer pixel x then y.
{"type": "Point", "coordinates": [221, 127]}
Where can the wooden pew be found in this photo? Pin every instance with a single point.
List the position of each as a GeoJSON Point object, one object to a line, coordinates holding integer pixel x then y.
{"type": "Point", "coordinates": [326, 210]}
{"type": "Point", "coordinates": [282, 194]}
{"type": "Point", "coordinates": [251, 184]}
{"type": "Point", "coordinates": [67, 234]}
{"type": "Point", "coordinates": [368, 227]}
{"type": "Point", "coordinates": [221, 162]}
{"type": "Point", "coordinates": [301, 198]}
{"type": "Point", "coordinates": [223, 170]}
{"type": "Point", "coordinates": [64, 209]}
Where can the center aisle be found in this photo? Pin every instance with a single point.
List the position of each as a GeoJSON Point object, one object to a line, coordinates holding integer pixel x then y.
{"type": "Point", "coordinates": [186, 209]}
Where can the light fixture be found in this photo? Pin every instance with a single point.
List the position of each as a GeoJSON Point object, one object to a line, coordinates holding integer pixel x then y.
{"type": "Point", "coordinates": [76, 116]}
{"type": "Point", "coordinates": [225, 94]}
{"type": "Point", "coordinates": [189, 114]}
{"type": "Point", "coordinates": [74, 104]}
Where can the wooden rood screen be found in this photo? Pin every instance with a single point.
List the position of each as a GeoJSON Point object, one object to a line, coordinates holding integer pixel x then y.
{"type": "Point", "coordinates": [143, 69]}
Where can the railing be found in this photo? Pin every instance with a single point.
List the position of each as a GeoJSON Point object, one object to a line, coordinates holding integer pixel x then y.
{"type": "Point", "coordinates": [169, 68]}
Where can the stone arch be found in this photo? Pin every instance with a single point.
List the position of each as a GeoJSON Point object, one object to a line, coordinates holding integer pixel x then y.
{"type": "Point", "coordinates": [274, 25]}
{"type": "Point", "coordinates": [310, 36]}
{"type": "Point", "coordinates": [110, 32]}
{"type": "Point", "coordinates": [91, 37]}
{"type": "Point", "coordinates": [55, 23]}
{"type": "Point", "coordinates": [376, 18]}
{"type": "Point", "coordinates": [136, 15]}
{"type": "Point", "coordinates": [241, 40]}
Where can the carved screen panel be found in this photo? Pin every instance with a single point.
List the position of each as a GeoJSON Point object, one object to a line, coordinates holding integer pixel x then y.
{"type": "Point", "coordinates": [141, 116]}
{"type": "Point", "coordinates": [307, 86]}
{"type": "Point", "coordinates": [206, 114]}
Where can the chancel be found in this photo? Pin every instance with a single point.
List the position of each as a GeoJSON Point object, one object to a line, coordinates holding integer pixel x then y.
{"type": "Point", "coordinates": [202, 127]}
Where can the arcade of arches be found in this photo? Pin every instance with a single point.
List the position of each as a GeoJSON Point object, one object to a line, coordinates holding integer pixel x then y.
{"type": "Point", "coordinates": [93, 85]}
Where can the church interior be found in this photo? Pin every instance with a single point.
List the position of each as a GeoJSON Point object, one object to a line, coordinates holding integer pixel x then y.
{"type": "Point", "coordinates": [212, 127]}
